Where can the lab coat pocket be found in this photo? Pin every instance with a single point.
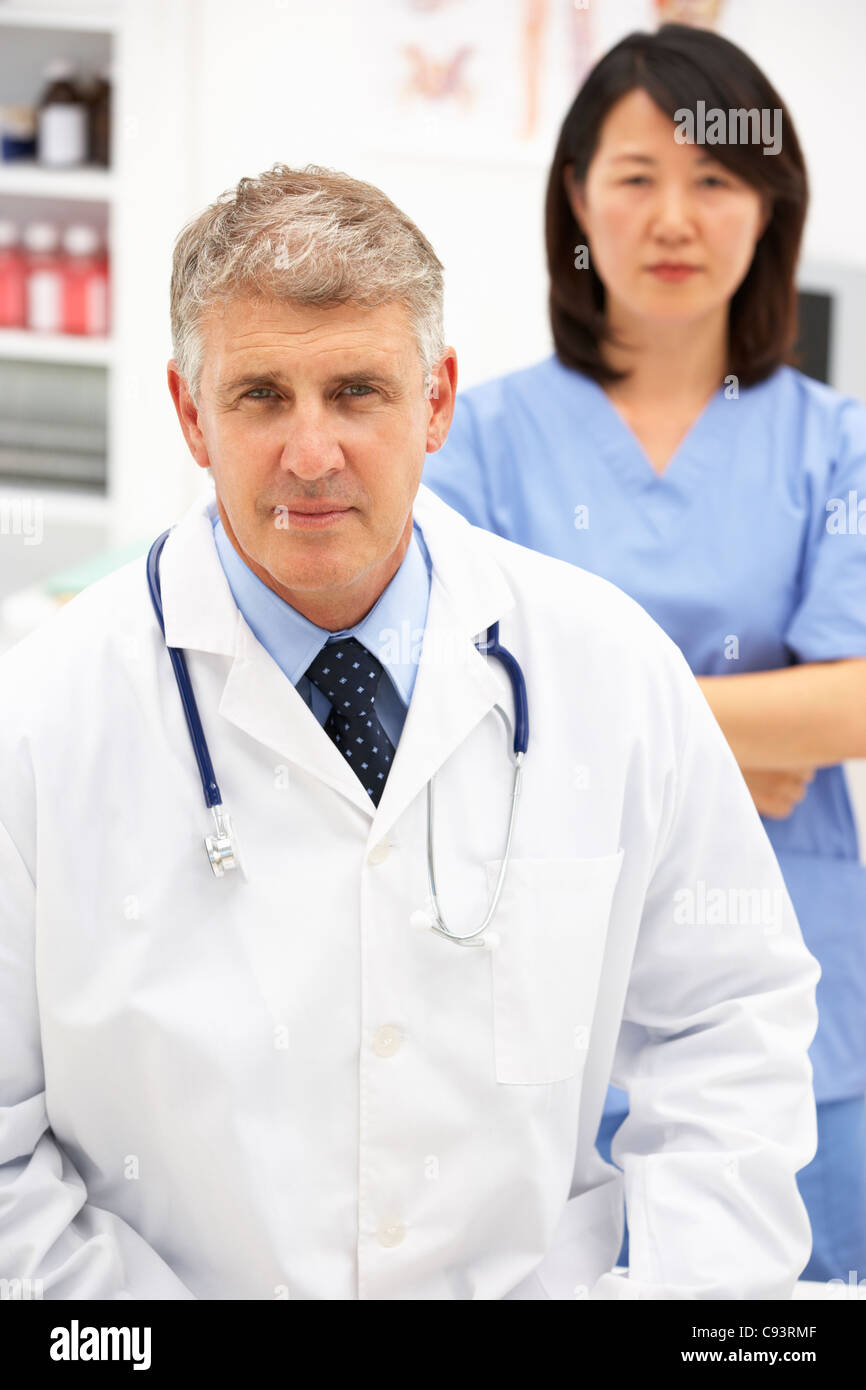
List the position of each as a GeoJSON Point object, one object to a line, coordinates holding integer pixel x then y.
{"type": "Point", "coordinates": [551, 927]}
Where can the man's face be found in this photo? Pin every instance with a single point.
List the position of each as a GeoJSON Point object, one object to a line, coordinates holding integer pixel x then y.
{"type": "Point", "coordinates": [315, 424]}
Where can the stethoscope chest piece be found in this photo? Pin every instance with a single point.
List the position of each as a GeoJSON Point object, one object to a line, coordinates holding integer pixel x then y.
{"type": "Point", "coordinates": [222, 848]}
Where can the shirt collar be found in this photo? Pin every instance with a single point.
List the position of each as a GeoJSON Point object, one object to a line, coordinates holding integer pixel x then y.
{"type": "Point", "coordinates": [392, 629]}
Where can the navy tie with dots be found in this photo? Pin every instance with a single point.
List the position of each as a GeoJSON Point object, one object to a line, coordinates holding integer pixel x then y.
{"type": "Point", "coordinates": [348, 675]}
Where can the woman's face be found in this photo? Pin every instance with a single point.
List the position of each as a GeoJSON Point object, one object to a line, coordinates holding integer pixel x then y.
{"type": "Point", "coordinates": [671, 231]}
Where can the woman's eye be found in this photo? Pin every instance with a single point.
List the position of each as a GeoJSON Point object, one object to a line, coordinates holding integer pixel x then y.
{"type": "Point", "coordinates": [637, 178]}
{"type": "Point", "coordinates": [714, 181]}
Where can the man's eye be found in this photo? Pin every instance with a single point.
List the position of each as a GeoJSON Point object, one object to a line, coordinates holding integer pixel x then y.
{"type": "Point", "coordinates": [252, 396]}
{"type": "Point", "coordinates": [359, 386]}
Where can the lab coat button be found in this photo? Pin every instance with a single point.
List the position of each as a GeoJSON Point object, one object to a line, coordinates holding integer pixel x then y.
{"type": "Point", "coordinates": [386, 1041]}
{"type": "Point", "coordinates": [390, 1232]}
{"type": "Point", "coordinates": [379, 853]}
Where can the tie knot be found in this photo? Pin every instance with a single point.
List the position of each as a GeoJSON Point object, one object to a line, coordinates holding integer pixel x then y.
{"type": "Point", "coordinates": [347, 674]}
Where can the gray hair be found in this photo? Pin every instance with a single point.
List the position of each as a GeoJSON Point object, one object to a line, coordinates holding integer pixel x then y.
{"type": "Point", "coordinates": [311, 236]}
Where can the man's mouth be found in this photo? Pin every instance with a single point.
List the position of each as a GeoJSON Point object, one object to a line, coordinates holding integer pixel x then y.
{"type": "Point", "coordinates": [311, 516]}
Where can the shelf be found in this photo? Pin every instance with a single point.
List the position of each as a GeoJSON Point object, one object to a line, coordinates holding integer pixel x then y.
{"type": "Point", "coordinates": [66, 505]}
{"type": "Point", "coordinates": [80, 350]}
{"type": "Point", "coordinates": [95, 19]}
{"type": "Point", "coordinates": [25, 177]}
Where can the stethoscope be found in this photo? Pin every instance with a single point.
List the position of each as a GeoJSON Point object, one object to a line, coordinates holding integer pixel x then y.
{"type": "Point", "coordinates": [222, 848]}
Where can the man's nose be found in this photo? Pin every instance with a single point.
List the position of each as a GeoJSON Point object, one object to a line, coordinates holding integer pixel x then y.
{"type": "Point", "coordinates": [311, 448]}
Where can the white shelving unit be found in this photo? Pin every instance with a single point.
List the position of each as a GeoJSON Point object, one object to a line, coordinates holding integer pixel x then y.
{"type": "Point", "coordinates": [58, 504]}
{"type": "Point", "coordinates": [27, 178]}
{"type": "Point", "coordinates": [22, 345]}
{"type": "Point", "coordinates": [97, 18]}
{"type": "Point", "coordinates": [73, 521]}
{"type": "Point", "coordinates": [153, 185]}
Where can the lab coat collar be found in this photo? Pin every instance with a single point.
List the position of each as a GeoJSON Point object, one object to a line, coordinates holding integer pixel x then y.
{"type": "Point", "coordinates": [454, 689]}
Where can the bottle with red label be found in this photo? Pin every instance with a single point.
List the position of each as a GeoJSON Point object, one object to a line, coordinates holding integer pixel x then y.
{"type": "Point", "coordinates": [44, 271]}
{"type": "Point", "coordinates": [13, 278]}
{"type": "Point", "coordinates": [85, 282]}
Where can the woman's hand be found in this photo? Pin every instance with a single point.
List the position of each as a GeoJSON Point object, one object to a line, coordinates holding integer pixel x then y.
{"type": "Point", "coordinates": [809, 715]}
{"type": "Point", "coordinates": [776, 793]}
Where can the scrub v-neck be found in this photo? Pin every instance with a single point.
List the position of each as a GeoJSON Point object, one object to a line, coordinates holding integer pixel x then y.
{"type": "Point", "coordinates": [623, 451]}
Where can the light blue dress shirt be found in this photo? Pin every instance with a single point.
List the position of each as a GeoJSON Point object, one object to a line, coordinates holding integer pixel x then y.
{"type": "Point", "coordinates": [393, 629]}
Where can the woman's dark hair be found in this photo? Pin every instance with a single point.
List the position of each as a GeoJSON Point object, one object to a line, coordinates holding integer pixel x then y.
{"type": "Point", "coordinates": [678, 66]}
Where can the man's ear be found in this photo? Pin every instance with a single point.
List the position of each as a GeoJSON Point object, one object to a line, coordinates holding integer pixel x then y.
{"type": "Point", "coordinates": [187, 414]}
{"type": "Point", "coordinates": [443, 388]}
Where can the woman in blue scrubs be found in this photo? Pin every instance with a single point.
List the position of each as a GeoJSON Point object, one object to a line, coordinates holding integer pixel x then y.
{"type": "Point", "coordinates": [667, 446]}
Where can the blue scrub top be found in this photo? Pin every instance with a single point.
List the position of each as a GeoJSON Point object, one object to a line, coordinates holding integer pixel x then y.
{"type": "Point", "coordinates": [749, 550]}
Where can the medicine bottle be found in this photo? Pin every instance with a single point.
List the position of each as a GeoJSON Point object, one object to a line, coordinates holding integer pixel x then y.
{"type": "Point", "coordinates": [44, 270]}
{"type": "Point", "coordinates": [13, 277]}
{"type": "Point", "coordinates": [62, 119]}
{"type": "Point", "coordinates": [85, 282]}
{"type": "Point", "coordinates": [17, 133]}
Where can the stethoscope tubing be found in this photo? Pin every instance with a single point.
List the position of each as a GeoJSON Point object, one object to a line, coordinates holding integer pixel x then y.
{"type": "Point", "coordinates": [206, 772]}
{"type": "Point", "coordinates": [490, 646]}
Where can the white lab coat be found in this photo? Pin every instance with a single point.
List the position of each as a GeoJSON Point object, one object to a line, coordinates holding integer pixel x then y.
{"type": "Point", "coordinates": [277, 1087]}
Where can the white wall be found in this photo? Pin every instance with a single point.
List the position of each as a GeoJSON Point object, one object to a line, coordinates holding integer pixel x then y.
{"type": "Point", "coordinates": [212, 90]}
{"type": "Point", "coordinates": [303, 94]}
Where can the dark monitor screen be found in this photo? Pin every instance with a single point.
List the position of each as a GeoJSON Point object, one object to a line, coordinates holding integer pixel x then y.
{"type": "Point", "coordinates": [814, 320]}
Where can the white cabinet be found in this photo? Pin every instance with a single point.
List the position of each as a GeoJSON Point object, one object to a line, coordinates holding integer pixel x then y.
{"type": "Point", "coordinates": [88, 434]}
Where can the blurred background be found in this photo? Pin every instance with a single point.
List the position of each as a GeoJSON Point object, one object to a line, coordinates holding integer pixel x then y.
{"type": "Point", "coordinates": [120, 120]}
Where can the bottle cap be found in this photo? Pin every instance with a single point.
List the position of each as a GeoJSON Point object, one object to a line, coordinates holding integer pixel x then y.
{"type": "Point", "coordinates": [79, 240]}
{"type": "Point", "coordinates": [41, 236]}
{"type": "Point", "coordinates": [59, 68]}
{"type": "Point", "coordinates": [87, 81]}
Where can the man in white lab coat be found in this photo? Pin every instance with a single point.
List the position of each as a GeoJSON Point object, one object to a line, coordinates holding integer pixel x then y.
{"type": "Point", "coordinates": [281, 1082]}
